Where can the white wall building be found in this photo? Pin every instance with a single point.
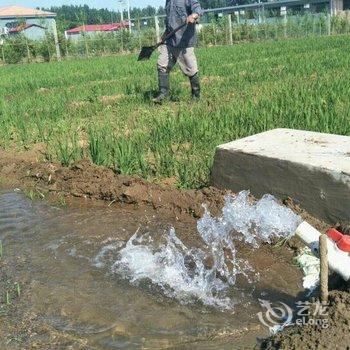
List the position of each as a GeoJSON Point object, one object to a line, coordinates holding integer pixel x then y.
{"type": "Point", "coordinates": [32, 23]}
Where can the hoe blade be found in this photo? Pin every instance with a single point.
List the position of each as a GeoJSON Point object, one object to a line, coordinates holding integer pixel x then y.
{"type": "Point", "coordinates": [146, 53]}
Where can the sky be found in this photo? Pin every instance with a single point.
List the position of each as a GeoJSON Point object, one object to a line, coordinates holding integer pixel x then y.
{"type": "Point", "coordinates": [111, 4]}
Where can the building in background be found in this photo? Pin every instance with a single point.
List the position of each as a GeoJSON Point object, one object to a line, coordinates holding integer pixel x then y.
{"type": "Point", "coordinates": [94, 29]}
{"type": "Point", "coordinates": [32, 23]}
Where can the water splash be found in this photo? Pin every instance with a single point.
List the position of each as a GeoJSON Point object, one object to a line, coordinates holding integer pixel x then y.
{"type": "Point", "coordinates": [179, 271]}
{"type": "Point", "coordinates": [206, 273]}
{"type": "Point", "coordinates": [252, 222]}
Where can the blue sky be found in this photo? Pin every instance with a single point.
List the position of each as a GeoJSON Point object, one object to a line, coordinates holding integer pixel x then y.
{"type": "Point", "coordinates": [111, 4]}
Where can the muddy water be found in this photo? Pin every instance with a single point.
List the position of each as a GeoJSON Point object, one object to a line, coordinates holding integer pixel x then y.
{"type": "Point", "coordinates": [74, 301]}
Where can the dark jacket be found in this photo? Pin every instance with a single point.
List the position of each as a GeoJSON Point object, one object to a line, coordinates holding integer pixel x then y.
{"type": "Point", "coordinates": [176, 13]}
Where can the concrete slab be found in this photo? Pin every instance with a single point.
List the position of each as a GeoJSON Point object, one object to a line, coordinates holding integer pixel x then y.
{"type": "Point", "coordinates": [312, 168]}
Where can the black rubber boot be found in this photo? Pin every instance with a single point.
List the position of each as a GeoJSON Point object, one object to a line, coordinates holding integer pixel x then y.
{"type": "Point", "coordinates": [163, 90]}
{"type": "Point", "coordinates": [195, 87]}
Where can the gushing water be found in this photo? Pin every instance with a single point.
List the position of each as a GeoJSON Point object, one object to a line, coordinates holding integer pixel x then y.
{"type": "Point", "coordinates": [206, 274]}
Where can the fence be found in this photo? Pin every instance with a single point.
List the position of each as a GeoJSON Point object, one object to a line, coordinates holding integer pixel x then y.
{"type": "Point", "coordinates": [227, 29]}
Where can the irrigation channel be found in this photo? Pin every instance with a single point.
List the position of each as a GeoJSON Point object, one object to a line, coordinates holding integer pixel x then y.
{"type": "Point", "coordinates": [124, 279]}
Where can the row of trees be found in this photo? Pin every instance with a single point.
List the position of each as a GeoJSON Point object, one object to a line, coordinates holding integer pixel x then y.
{"type": "Point", "coordinates": [72, 16]}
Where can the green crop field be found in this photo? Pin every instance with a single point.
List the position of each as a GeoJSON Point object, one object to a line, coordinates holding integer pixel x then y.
{"type": "Point", "coordinates": [100, 108]}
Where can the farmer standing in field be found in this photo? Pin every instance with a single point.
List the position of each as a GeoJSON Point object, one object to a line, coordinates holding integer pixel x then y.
{"type": "Point", "coordinates": [180, 47]}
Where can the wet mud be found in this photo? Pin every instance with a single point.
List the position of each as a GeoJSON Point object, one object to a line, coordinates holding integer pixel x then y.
{"type": "Point", "coordinates": [98, 186]}
{"type": "Point", "coordinates": [70, 299]}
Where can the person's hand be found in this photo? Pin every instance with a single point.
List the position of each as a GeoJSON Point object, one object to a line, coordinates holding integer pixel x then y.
{"type": "Point", "coordinates": [191, 19]}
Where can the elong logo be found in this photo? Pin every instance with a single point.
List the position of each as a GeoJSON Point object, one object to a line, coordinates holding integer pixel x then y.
{"type": "Point", "coordinates": [279, 315]}
{"type": "Point", "coordinates": [276, 316]}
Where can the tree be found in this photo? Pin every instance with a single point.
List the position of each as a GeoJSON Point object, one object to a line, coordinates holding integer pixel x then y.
{"type": "Point", "coordinates": [70, 16]}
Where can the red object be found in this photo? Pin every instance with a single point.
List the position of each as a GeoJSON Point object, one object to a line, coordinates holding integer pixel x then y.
{"type": "Point", "coordinates": [334, 234]}
{"type": "Point", "coordinates": [343, 241]}
{"type": "Point", "coordinates": [344, 244]}
{"type": "Point", "coordinates": [98, 28]}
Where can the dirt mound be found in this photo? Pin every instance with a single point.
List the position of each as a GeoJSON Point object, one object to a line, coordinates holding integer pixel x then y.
{"type": "Point", "coordinates": [84, 179]}
{"type": "Point", "coordinates": [87, 180]}
{"type": "Point", "coordinates": [336, 336]}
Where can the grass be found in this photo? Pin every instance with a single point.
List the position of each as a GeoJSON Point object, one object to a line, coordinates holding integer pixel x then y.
{"type": "Point", "coordinates": [11, 293]}
{"type": "Point", "coordinates": [18, 289]}
{"type": "Point", "coordinates": [62, 201]}
{"type": "Point", "coordinates": [100, 108]}
{"type": "Point", "coordinates": [33, 194]}
{"type": "Point", "coordinates": [8, 288]}
{"type": "Point", "coordinates": [11, 290]}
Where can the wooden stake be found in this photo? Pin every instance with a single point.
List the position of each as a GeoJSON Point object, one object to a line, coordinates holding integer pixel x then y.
{"type": "Point", "coordinates": [230, 29]}
{"type": "Point", "coordinates": [323, 268]}
{"type": "Point", "coordinates": [57, 45]}
{"type": "Point", "coordinates": [156, 23]}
